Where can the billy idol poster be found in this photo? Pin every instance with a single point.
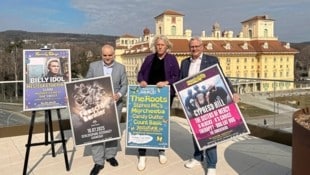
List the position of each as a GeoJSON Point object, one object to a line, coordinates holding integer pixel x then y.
{"type": "Point", "coordinates": [148, 111]}
{"type": "Point", "coordinates": [207, 103]}
{"type": "Point", "coordinates": [45, 72]}
{"type": "Point", "coordinates": [92, 110]}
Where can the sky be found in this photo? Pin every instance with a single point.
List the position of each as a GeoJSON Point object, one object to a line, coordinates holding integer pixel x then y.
{"type": "Point", "coordinates": [119, 17]}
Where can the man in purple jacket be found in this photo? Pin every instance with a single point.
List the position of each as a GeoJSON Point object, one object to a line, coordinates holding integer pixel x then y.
{"type": "Point", "coordinates": [160, 69]}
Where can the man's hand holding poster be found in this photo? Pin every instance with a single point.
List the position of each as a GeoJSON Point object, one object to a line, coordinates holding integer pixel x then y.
{"type": "Point", "coordinates": [207, 103]}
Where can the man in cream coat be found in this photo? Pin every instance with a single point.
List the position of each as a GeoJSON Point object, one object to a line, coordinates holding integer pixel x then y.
{"type": "Point", "coordinates": [108, 66]}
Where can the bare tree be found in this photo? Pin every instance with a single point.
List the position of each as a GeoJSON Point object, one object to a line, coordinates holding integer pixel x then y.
{"type": "Point", "coordinates": [13, 48]}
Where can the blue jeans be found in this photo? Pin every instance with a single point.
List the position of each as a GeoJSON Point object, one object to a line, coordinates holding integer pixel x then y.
{"type": "Point", "coordinates": [211, 155]}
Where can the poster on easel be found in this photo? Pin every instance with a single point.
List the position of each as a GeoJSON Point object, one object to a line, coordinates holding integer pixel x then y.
{"type": "Point", "coordinates": [208, 105]}
{"type": "Point", "coordinates": [148, 121]}
{"type": "Point", "coordinates": [92, 110]}
{"type": "Point", "coordinates": [45, 74]}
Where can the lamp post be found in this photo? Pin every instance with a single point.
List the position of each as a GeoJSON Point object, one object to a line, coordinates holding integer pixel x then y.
{"type": "Point", "coordinates": [274, 103]}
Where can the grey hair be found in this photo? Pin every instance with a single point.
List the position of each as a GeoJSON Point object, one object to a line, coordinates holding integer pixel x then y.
{"type": "Point", "coordinates": [197, 38]}
{"type": "Point", "coordinates": [108, 46]}
{"type": "Point", "coordinates": [165, 39]}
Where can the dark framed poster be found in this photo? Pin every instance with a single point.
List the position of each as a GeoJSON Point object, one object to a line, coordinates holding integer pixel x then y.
{"type": "Point", "coordinates": [211, 113]}
{"type": "Point", "coordinates": [148, 121]}
{"type": "Point", "coordinates": [45, 74]}
{"type": "Point", "coordinates": [92, 110]}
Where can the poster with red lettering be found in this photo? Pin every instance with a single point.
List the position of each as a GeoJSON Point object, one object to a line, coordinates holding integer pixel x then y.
{"type": "Point", "coordinates": [209, 108]}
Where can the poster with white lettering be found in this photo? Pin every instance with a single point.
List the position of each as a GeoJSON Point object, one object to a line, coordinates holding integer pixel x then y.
{"type": "Point", "coordinates": [45, 74]}
{"type": "Point", "coordinates": [208, 106]}
{"type": "Point", "coordinates": [148, 117]}
{"type": "Point", "coordinates": [92, 110]}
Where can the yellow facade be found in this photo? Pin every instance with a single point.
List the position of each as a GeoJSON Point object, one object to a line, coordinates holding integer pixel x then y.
{"type": "Point", "coordinates": [265, 66]}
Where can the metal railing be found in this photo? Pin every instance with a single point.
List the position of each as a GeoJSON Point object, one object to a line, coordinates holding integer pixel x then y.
{"type": "Point", "coordinates": [270, 107]}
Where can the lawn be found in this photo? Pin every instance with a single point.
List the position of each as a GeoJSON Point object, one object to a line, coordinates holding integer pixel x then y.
{"type": "Point", "coordinates": [297, 101]}
{"type": "Point", "coordinates": [252, 111]}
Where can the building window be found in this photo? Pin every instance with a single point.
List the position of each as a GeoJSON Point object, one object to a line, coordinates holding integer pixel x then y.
{"type": "Point", "coordinates": [250, 33]}
{"type": "Point", "coordinates": [274, 74]}
{"type": "Point", "coordinates": [228, 60]}
{"type": "Point", "coordinates": [237, 60]}
{"type": "Point", "coordinates": [274, 59]}
{"type": "Point", "coordinates": [173, 20]}
{"type": "Point", "coordinates": [209, 46]}
{"type": "Point", "coordinates": [281, 74]}
{"type": "Point", "coordinates": [265, 74]}
{"type": "Point", "coordinates": [173, 30]}
{"type": "Point", "coordinates": [245, 60]}
{"type": "Point", "coordinates": [265, 33]}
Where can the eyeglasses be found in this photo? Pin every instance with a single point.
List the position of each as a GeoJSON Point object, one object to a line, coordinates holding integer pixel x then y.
{"type": "Point", "coordinates": [192, 47]}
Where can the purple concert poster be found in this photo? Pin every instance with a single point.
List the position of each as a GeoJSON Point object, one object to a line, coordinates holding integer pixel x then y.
{"type": "Point", "coordinates": [45, 74]}
{"type": "Point", "coordinates": [208, 106]}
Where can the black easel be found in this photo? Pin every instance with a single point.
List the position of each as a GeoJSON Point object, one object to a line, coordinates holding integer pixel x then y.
{"type": "Point", "coordinates": [48, 128]}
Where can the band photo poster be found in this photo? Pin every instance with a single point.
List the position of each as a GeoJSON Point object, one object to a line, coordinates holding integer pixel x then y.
{"type": "Point", "coordinates": [45, 74]}
{"type": "Point", "coordinates": [209, 108]}
{"type": "Point", "coordinates": [92, 110]}
{"type": "Point", "coordinates": [148, 121]}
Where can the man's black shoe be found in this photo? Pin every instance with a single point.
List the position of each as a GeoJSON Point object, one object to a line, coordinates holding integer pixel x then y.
{"type": "Point", "coordinates": [96, 169]}
{"type": "Point", "coordinates": [113, 161]}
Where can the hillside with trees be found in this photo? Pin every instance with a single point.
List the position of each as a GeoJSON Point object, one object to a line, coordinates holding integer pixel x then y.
{"type": "Point", "coordinates": [83, 49]}
{"type": "Point", "coordinates": [302, 60]}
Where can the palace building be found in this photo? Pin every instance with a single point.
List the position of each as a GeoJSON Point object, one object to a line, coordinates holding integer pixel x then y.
{"type": "Point", "coordinates": [253, 59]}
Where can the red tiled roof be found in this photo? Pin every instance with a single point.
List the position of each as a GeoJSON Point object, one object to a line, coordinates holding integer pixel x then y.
{"type": "Point", "coordinates": [273, 46]}
{"type": "Point", "coordinates": [121, 47]}
{"type": "Point", "coordinates": [219, 46]}
{"type": "Point", "coordinates": [127, 36]}
{"type": "Point", "coordinates": [179, 45]}
{"type": "Point", "coordinates": [139, 48]}
{"type": "Point", "coordinates": [264, 17]}
{"type": "Point", "coordinates": [169, 12]}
